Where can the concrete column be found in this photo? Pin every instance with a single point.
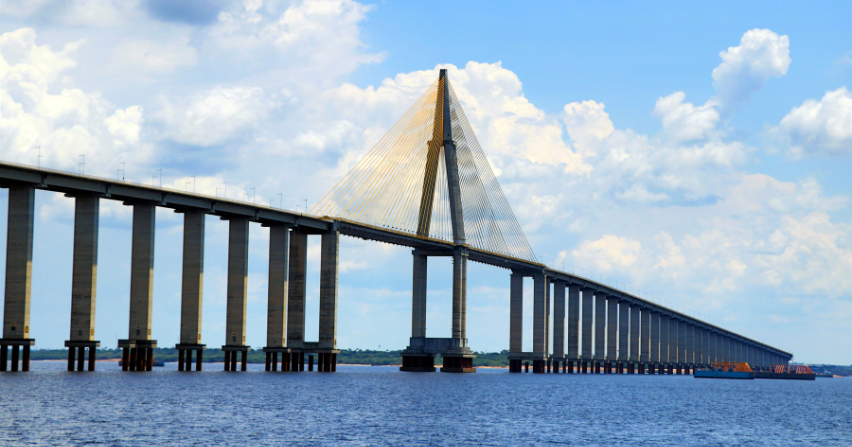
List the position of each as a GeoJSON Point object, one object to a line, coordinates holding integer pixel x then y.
{"type": "Point", "coordinates": [705, 347]}
{"type": "Point", "coordinates": [588, 318]}
{"type": "Point", "coordinates": [85, 268]}
{"type": "Point", "coordinates": [690, 343]}
{"type": "Point", "coordinates": [459, 293]}
{"type": "Point", "coordinates": [623, 331]}
{"type": "Point", "coordinates": [329, 261]}
{"type": "Point", "coordinates": [645, 348]}
{"type": "Point", "coordinates": [673, 340]}
{"type": "Point", "coordinates": [539, 315]}
{"type": "Point", "coordinates": [19, 259]}
{"type": "Point", "coordinates": [612, 329]}
{"type": "Point", "coordinates": [418, 294]}
{"type": "Point", "coordinates": [726, 354]}
{"type": "Point", "coordinates": [655, 337]}
{"type": "Point", "coordinates": [634, 333]}
{"type": "Point", "coordinates": [664, 339]}
{"type": "Point", "coordinates": [600, 326]}
{"type": "Point", "coordinates": [516, 312]}
{"type": "Point", "coordinates": [192, 283]}
{"type": "Point", "coordinates": [682, 347]}
{"type": "Point", "coordinates": [297, 289]}
{"type": "Point", "coordinates": [276, 316]}
{"type": "Point", "coordinates": [573, 322]}
{"type": "Point", "coordinates": [238, 238]}
{"type": "Point", "coordinates": [559, 320]}
{"type": "Point", "coordinates": [547, 317]}
{"type": "Point", "coordinates": [142, 272]}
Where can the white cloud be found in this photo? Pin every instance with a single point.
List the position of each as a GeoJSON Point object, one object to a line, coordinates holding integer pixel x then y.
{"type": "Point", "coordinates": [318, 39]}
{"type": "Point", "coordinates": [41, 107]}
{"type": "Point", "coordinates": [214, 116]}
{"type": "Point", "coordinates": [761, 54]}
{"type": "Point", "coordinates": [587, 124]}
{"type": "Point", "coordinates": [821, 127]}
{"type": "Point", "coordinates": [505, 122]}
{"type": "Point", "coordinates": [682, 121]}
{"type": "Point", "coordinates": [75, 13]}
{"type": "Point", "coordinates": [125, 125]}
{"type": "Point", "coordinates": [154, 57]}
{"type": "Point", "coordinates": [609, 252]}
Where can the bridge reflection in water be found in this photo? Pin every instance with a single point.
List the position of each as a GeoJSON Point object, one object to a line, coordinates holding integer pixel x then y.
{"type": "Point", "coordinates": [426, 185]}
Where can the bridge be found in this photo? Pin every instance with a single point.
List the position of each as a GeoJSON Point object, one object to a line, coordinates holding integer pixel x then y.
{"type": "Point", "coordinates": [425, 185]}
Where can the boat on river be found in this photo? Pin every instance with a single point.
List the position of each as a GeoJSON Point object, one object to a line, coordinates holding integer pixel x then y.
{"type": "Point", "coordinates": [726, 370]}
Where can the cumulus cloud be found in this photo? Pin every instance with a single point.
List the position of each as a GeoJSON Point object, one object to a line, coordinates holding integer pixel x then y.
{"type": "Point", "coordinates": [76, 13]}
{"type": "Point", "coordinates": [318, 39]}
{"type": "Point", "coordinates": [682, 121]}
{"type": "Point", "coordinates": [213, 116]}
{"type": "Point", "coordinates": [609, 252]}
{"type": "Point", "coordinates": [43, 108]}
{"type": "Point", "coordinates": [821, 127]}
{"type": "Point", "coordinates": [761, 54]}
{"type": "Point", "coordinates": [191, 12]}
{"type": "Point", "coordinates": [504, 120]}
{"type": "Point", "coordinates": [155, 57]}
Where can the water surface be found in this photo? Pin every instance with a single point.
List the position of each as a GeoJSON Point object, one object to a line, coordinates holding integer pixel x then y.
{"type": "Point", "coordinates": [368, 405]}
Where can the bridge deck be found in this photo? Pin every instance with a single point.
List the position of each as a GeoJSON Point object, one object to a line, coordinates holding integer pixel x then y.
{"type": "Point", "coordinates": [130, 192]}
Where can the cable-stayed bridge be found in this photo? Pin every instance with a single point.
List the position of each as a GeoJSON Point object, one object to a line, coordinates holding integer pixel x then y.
{"type": "Point", "coordinates": [426, 185]}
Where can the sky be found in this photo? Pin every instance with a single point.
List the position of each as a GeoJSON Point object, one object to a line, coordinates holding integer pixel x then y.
{"type": "Point", "coordinates": [698, 155]}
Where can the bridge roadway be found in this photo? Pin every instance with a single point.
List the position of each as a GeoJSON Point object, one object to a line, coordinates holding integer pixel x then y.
{"type": "Point", "coordinates": [641, 337]}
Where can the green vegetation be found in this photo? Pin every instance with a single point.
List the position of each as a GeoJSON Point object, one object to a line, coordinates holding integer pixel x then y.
{"type": "Point", "coordinates": [346, 356]}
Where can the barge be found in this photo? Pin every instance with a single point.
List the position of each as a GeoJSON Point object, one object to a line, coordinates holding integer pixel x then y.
{"type": "Point", "coordinates": [725, 370]}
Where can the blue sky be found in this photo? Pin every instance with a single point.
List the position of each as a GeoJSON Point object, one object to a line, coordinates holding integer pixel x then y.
{"type": "Point", "coordinates": [700, 153]}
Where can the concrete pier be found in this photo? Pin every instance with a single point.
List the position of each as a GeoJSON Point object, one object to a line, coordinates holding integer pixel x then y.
{"type": "Point", "coordinates": [623, 334]}
{"type": "Point", "coordinates": [235, 326]}
{"type": "Point", "coordinates": [19, 258]}
{"type": "Point", "coordinates": [673, 341]}
{"type": "Point", "coordinates": [276, 316]}
{"type": "Point", "coordinates": [654, 318]}
{"type": "Point", "coordinates": [573, 353]}
{"type": "Point", "coordinates": [418, 294]}
{"type": "Point", "coordinates": [611, 331]}
{"type": "Point", "coordinates": [588, 310]}
{"type": "Point", "coordinates": [329, 265]}
{"type": "Point", "coordinates": [540, 335]}
{"type": "Point", "coordinates": [459, 293]}
{"type": "Point", "coordinates": [634, 334]}
{"type": "Point", "coordinates": [682, 347]}
{"type": "Point", "coordinates": [297, 289]}
{"type": "Point", "coordinates": [329, 261]}
{"type": "Point", "coordinates": [84, 283]}
{"type": "Point", "coordinates": [516, 320]}
{"type": "Point", "coordinates": [645, 337]}
{"type": "Point", "coordinates": [558, 323]}
{"type": "Point", "coordinates": [139, 340]}
{"type": "Point", "coordinates": [192, 282]}
{"type": "Point", "coordinates": [600, 329]}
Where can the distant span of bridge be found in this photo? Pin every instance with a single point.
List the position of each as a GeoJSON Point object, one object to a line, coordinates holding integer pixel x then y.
{"type": "Point", "coordinates": [425, 185]}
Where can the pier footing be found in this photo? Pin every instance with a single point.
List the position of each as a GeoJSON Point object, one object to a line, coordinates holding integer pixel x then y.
{"type": "Point", "coordinates": [231, 356]}
{"type": "Point", "coordinates": [137, 355]}
{"type": "Point", "coordinates": [20, 354]}
{"type": "Point", "coordinates": [426, 363]}
{"type": "Point", "coordinates": [185, 356]}
{"type": "Point", "coordinates": [458, 364]}
{"type": "Point", "coordinates": [77, 355]}
{"type": "Point", "coordinates": [272, 359]}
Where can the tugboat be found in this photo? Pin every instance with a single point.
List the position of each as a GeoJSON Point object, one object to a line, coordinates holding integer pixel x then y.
{"type": "Point", "coordinates": [725, 370]}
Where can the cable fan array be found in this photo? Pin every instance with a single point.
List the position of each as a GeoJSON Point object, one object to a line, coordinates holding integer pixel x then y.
{"type": "Point", "coordinates": [386, 188]}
